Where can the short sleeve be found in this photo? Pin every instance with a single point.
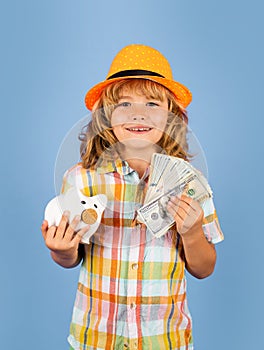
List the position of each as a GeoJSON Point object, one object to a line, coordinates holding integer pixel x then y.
{"type": "Point", "coordinates": [211, 226]}
{"type": "Point", "coordinates": [71, 178]}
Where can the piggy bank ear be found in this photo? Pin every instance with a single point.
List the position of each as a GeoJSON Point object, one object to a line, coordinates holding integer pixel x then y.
{"type": "Point", "coordinates": [83, 199]}
{"type": "Point", "coordinates": [102, 200]}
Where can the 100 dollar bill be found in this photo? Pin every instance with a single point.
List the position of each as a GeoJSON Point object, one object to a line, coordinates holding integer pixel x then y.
{"type": "Point", "coordinates": [155, 215]}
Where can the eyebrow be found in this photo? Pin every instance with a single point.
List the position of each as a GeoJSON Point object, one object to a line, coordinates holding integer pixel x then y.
{"type": "Point", "coordinates": [125, 98]}
{"type": "Point", "coordinates": [131, 98]}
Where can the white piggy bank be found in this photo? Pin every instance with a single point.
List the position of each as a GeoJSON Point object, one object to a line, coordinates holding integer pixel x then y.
{"type": "Point", "coordinates": [90, 210]}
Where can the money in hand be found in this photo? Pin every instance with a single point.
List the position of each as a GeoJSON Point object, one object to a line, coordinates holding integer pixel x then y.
{"type": "Point", "coordinates": [170, 176]}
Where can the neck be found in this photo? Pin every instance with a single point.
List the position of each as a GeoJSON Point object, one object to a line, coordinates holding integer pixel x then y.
{"type": "Point", "coordinates": [138, 165]}
{"type": "Point", "coordinates": [138, 155]}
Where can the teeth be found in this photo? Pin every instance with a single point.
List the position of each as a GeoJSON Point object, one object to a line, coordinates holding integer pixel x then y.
{"type": "Point", "coordinates": [139, 129]}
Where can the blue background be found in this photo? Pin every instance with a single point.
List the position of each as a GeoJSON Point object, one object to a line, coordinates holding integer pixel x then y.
{"type": "Point", "coordinates": [52, 52]}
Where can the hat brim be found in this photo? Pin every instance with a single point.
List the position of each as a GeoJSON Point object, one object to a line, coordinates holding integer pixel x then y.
{"type": "Point", "coordinates": [181, 92]}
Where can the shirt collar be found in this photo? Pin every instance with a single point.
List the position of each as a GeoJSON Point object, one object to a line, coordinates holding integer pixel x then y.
{"type": "Point", "coordinates": [120, 166]}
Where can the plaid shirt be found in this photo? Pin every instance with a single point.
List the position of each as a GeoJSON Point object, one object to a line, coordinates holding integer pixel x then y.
{"type": "Point", "coordinates": [132, 287]}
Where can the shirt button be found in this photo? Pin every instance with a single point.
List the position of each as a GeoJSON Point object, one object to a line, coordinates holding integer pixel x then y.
{"type": "Point", "coordinates": [134, 266]}
{"type": "Point", "coordinates": [133, 305]}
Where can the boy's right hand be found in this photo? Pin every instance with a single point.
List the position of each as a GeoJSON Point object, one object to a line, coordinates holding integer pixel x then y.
{"type": "Point", "coordinates": [63, 241]}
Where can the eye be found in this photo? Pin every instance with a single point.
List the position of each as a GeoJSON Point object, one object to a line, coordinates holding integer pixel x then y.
{"type": "Point", "coordinates": [123, 104]}
{"type": "Point", "coordinates": [152, 104]}
{"type": "Point", "coordinates": [83, 202]}
{"type": "Point", "coordinates": [95, 205]}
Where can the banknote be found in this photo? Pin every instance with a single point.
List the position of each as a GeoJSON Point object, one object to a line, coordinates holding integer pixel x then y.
{"type": "Point", "coordinates": [170, 176]}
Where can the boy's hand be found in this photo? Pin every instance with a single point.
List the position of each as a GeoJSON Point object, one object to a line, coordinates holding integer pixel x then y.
{"type": "Point", "coordinates": [187, 214]}
{"type": "Point", "coordinates": [63, 241]}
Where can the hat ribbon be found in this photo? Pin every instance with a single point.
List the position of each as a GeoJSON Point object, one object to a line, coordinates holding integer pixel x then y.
{"type": "Point", "coordinates": [134, 72]}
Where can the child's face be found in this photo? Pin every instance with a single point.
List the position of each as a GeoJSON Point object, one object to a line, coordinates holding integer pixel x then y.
{"type": "Point", "coordinates": [139, 119]}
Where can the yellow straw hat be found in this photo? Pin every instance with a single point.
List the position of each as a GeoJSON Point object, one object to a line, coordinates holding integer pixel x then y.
{"type": "Point", "coordinates": [144, 62]}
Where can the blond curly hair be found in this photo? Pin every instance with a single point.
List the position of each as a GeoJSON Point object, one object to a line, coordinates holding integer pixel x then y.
{"type": "Point", "coordinates": [98, 139]}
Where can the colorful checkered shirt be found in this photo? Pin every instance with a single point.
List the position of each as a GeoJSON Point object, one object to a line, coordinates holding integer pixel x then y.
{"type": "Point", "coordinates": [132, 286]}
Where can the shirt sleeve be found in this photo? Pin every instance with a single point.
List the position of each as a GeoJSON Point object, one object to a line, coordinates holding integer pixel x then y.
{"type": "Point", "coordinates": [211, 226]}
{"type": "Point", "coordinates": [71, 178]}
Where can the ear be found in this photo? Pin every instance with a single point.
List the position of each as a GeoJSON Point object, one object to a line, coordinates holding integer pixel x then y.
{"type": "Point", "coordinates": [102, 200]}
{"type": "Point", "coordinates": [81, 195]}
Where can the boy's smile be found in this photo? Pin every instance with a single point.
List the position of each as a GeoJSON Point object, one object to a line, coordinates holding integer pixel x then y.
{"type": "Point", "coordinates": [139, 129]}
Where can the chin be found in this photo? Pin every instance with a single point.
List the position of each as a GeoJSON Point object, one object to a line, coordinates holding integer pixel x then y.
{"type": "Point", "coordinates": [139, 144]}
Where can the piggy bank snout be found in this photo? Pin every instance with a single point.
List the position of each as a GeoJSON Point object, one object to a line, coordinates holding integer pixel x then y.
{"type": "Point", "coordinates": [89, 216]}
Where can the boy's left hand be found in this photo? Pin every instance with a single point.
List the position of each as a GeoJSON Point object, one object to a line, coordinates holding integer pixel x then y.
{"type": "Point", "coordinates": [187, 214]}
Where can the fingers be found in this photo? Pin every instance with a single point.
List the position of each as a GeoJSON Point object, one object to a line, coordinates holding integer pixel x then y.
{"type": "Point", "coordinates": [44, 228]}
{"type": "Point", "coordinates": [71, 230]}
{"type": "Point", "coordinates": [64, 222]}
{"type": "Point", "coordinates": [184, 204]}
{"type": "Point", "coordinates": [79, 235]}
{"type": "Point", "coordinates": [65, 231]}
{"type": "Point", "coordinates": [184, 201]}
{"type": "Point", "coordinates": [47, 231]}
{"type": "Point", "coordinates": [185, 212]}
{"type": "Point", "coordinates": [177, 209]}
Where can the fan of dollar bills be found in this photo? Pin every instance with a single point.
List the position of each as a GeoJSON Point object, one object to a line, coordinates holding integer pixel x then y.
{"type": "Point", "coordinates": [170, 176]}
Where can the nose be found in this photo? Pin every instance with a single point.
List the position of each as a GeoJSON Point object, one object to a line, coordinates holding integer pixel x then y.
{"type": "Point", "coordinates": [138, 117]}
{"type": "Point", "coordinates": [138, 112]}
